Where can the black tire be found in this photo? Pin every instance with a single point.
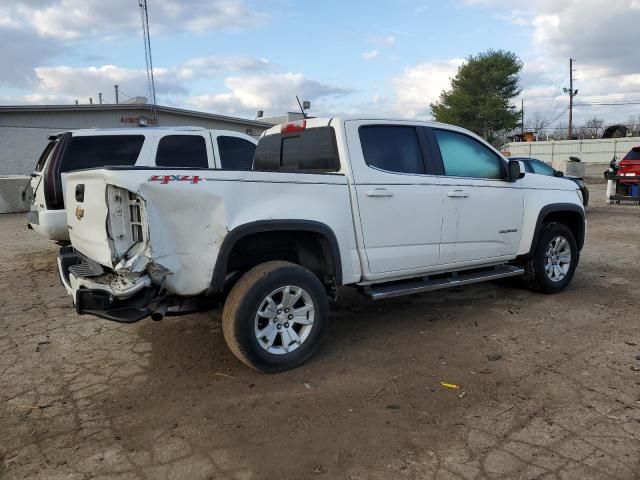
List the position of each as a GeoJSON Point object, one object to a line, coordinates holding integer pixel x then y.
{"type": "Point", "coordinates": [249, 294]}
{"type": "Point", "coordinates": [536, 277]}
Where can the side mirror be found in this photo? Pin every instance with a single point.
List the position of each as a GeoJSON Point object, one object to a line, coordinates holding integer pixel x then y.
{"type": "Point", "coordinates": [558, 173]}
{"type": "Point", "coordinates": [516, 170]}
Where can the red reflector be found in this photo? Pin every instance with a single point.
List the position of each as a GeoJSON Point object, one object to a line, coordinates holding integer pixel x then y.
{"type": "Point", "coordinates": [291, 127]}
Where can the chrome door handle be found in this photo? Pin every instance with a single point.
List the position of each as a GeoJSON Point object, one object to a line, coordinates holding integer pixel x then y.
{"type": "Point", "coordinates": [457, 194]}
{"type": "Point", "coordinates": [379, 192]}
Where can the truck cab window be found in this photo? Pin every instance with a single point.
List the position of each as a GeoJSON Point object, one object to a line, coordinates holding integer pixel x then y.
{"type": "Point", "coordinates": [188, 151]}
{"type": "Point", "coordinates": [392, 148]}
{"type": "Point", "coordinates": [310, 151]}
{"type": "Point", "coordinates": [235, 153]}
{"type": "Point", "coordinates": [464, 156]}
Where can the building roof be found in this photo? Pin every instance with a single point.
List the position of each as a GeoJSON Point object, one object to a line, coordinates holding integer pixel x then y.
{"type": "Point", "coordinates": [128, 107]}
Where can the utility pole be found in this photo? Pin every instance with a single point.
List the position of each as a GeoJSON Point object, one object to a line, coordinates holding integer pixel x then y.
{"type": "Point", "coordinates": [572, 93]}
{"type": "Point", "coordinates": [522, 119]}
{"type": "Point", "coordinates": [116, 87]}
{"type": "Point", "coordinates": [570, 98]}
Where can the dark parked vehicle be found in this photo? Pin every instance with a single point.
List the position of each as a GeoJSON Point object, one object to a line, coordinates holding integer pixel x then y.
{"type": "Point", "coordinates": [533, 165]}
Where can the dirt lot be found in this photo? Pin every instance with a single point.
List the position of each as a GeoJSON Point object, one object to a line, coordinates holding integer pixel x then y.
{"type": "Point", "coordinates": [550, 385]}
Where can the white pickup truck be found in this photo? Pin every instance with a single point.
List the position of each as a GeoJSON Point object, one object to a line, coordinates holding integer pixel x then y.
{"type": "Point", "coordinates": [387, 206]}
{"type": "Point", "coordinates": [191, 147]}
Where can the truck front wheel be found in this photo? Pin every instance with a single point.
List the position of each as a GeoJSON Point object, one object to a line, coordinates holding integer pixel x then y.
{"type": "Point", "coordinates": [554, 260]}
{"type": "Point", "coordinates": [274, 316]}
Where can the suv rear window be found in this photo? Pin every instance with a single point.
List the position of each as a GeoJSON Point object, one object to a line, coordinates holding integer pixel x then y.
{"type": "Point", "coordinates": [634, 154]}
{"type": "Point", "coordinates": [184, 151]}
{"type": "Point", "coordinates": [312, 150]}
{"type": "Point", "coordinates": [101, 151]}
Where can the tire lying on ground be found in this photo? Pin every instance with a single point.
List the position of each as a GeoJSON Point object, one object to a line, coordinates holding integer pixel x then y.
{"type": "Point", "coordinates": [274, 316]}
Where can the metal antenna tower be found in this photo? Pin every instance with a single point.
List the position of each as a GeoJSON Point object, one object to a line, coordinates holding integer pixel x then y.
{"type": "Point", "coordinates": [151, 86]}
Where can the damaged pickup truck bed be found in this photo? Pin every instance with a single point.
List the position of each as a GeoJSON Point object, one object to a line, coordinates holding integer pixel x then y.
{"type": "Point", "coordinates": [390, 207]}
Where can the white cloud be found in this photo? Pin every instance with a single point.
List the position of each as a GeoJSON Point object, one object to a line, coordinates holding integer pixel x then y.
{"type": "Point", "coordinates": [601, 36]}
{"type": "Point", "coordinates": [65, 83]}
{"type": "Point", "coordinates": [274, 93]}
{"type": "Point", "coordinates": [36, 31]}
{"type": "Point", "coordinates": [85, 82]}
{"type": "Point", "coordinates": [388, 41]}
{"type": "Point", "coordinates": [418, 86]}
{"type": "Point", "coordinates": [371, 55]}
{"type": "Point", "coordinates": [75, 19]}
{"type": "Point", "coordinates": [519, 18]}
{"type": "Point", "coordinates": [209, 66]}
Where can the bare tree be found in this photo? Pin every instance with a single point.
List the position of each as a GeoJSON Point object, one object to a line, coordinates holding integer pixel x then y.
{"type": "Point", "coordinates": [561, 132]}
{"type": "Point", "coordinates": [536, 124]}
{"type": "Point", "coordinates": [592, 128]}
{"type": "Point", "coordinates": [634, 125]}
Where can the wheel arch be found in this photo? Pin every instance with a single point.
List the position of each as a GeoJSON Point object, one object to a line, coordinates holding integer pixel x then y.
{"type": "Point", "coordinates": [568, 214]}
{"type": "Point", "coordinates": [247, 230]}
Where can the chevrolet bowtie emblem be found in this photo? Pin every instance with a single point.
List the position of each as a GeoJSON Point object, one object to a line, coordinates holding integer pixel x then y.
{"type": "Point", "coordinates": [79, 212]}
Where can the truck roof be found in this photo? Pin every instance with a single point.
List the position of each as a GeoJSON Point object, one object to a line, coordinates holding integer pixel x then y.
{"type": "Point", "coordinates": [325, 121]}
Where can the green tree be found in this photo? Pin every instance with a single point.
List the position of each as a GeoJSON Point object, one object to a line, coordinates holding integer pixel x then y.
{"type": "Point", "coordinates": [481, 94]}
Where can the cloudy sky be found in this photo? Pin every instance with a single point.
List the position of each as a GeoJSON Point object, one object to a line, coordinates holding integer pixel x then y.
{"type": "Point", "coordinates": [378, 57]}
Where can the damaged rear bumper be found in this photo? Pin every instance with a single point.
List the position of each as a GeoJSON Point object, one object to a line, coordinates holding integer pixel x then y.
{"type": "Point", "coordinates": [104, 294]}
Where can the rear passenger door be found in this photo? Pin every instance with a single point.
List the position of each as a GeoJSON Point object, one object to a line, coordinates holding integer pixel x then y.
{"type": "Point", "coordinates": [482, 212]}
{"type": "Point", "coordinates": [185, 150]}
{"type": "Point", "coordinates": [398, 197]}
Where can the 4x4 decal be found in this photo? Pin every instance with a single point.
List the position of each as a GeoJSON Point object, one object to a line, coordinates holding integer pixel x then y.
{"type": "Point", "coordinates": [165, 179]}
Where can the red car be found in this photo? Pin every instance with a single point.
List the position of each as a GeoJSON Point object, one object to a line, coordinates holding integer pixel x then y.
{"type": "Point", "coordinates": [629, 166]}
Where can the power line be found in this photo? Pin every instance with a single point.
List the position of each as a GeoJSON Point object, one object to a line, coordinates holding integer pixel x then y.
{"type": "Point", "coordinates": [548, 111]}
{"type": "Point", "coordinates": [555, 119]}
{"type": "Point", "coordinates": [609, 104]}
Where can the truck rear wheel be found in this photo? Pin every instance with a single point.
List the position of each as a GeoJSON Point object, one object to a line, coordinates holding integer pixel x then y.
{"type": "Point", "coordinates": [274, 316]}
{"type": "Point", "coordinates": [554, 260]}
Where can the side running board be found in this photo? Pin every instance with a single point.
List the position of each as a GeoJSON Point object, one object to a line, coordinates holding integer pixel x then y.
{"type": "Point", "coordinates": [456, 279]}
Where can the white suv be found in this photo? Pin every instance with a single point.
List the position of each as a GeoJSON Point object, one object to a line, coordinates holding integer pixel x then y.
{"type": "Point", "coordinates": [183, 147]}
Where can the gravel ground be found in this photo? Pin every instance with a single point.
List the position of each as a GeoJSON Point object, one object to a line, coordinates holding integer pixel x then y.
{"type": "Point", "coordinates": [549, 385]}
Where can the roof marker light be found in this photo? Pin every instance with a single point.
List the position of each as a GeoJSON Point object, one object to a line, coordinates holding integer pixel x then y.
{"type": "Point", "coordinates": [292, 127]}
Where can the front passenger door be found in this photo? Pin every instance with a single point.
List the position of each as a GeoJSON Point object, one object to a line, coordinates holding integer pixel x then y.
{"type": "Point", "coordinates": [482, 212]}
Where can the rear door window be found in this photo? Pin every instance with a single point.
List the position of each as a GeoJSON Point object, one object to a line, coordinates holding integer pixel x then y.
{"type": "Point", "coordinates": [236, 153]}
{"type": "Point", "coordinates": [101, 151]}
{"type": "Point", "coordinates": [312, 150]}
{"type": "Point", "coordinates": [184, 151]}
{"type": "Point", "coordinates": [392, 148]}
